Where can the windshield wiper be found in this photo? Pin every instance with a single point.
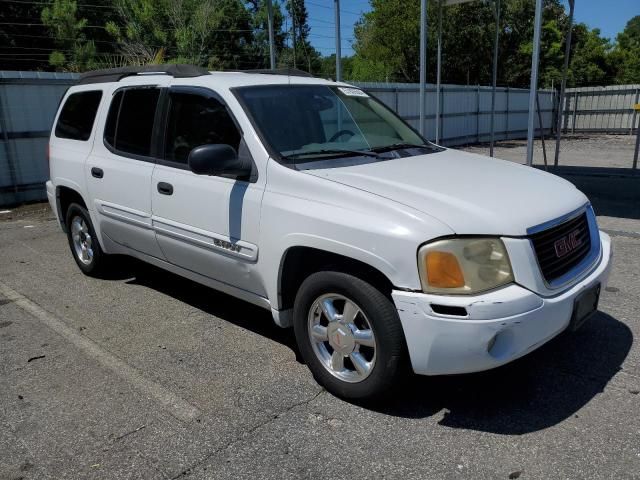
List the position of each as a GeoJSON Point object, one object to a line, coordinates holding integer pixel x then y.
{"type": "Point", "coordinates": [397, 146]}
{"type": "Point", "coordinates": [333, 151]}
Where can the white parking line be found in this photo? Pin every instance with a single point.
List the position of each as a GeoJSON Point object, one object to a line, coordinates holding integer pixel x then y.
{"type": "Point", "coordinates": [175, 405]}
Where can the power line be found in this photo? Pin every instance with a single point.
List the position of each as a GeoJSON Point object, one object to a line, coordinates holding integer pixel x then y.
{"type": "Point", "coordinates": [331, 8]}
{"type": "Point", "coordinates": [81, 5]}
{"type": "Point", "coordinates": [223, 30]}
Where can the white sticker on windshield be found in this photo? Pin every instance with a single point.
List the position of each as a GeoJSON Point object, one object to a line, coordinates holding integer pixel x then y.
{"type": "Point", "coordinates": [352, 92]}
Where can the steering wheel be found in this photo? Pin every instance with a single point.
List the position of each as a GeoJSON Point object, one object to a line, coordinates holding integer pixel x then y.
{"type": "Point", "coordinates": [339, 133]}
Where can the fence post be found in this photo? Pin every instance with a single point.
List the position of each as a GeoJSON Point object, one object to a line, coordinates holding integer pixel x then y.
{"type": "Point", "coordinates": [441, 116]}
{"type": "Point", "coordinates": [575, 112]}
{"type": "Point", "coordinates": [565, 113]}
{"type": "Point", "coordinates": [635, 152]}
{"type": "Point", "coordinates": [478, 114]}
{"type": "Point", "coordinates": [506, 133]}
{"type": "Point", "coordinates": [396, 100]}
{"type": "Point", "coordinates": [8, 150]}
{"type": "Point", "coordinates": [635, 112]}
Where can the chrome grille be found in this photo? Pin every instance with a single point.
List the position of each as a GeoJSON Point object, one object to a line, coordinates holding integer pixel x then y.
{"type": "Point", "coordinates": [562, 247]}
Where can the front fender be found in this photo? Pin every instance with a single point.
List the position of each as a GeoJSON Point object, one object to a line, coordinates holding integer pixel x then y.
{"type": "Point", "coordinates": [301, 210]}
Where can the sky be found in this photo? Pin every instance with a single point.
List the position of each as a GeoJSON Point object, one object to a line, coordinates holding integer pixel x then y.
{"type": "Point", "coordinates": [609, 16]}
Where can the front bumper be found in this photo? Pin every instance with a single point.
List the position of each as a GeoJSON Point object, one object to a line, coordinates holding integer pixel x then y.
{"type": "Point", "coordinates": [513, 321]}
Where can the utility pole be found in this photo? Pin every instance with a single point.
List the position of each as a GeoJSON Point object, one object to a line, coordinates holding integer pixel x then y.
{"type": "Point", "coordinates": [438, 73]}
{"type": "Point", "coordinates": [563, 84]}
{"type": "Point", "coordinates": [293, 28]}
{"type": "Point", "coordinates": [272, 47]}
{"type": "Point", "coordinates": [423, 63]}
{"type": "Point", "coordinates": [495, 76]}
{"type": "Point", "coordinates": [533, 88]}
{"type": "Point", "coordinates": [336, 6]}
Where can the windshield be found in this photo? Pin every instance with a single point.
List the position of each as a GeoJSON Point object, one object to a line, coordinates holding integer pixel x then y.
{"type": "Point", "coordinates": [311, 122]}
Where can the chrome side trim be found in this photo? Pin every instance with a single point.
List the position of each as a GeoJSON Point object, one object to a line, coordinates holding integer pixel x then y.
{"type": "Point", "coordinates": [201, 238]}
{"type": "Point", "coordinates": [587, 263]}
{"type": "Point", "coordinates": [124, 214]}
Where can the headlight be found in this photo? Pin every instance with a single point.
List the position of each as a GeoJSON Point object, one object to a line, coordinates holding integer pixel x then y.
{"type": "Point", "coordinates": [464, 265]}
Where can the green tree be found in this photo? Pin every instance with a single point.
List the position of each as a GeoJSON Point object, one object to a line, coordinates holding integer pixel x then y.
{"type": "Point", "coordinates": [74, 51]}
{"type": "Point", "coordinates": [31, 42]}
{"type": "Point", "coordinates": [626, 54]}
{"type": "Point", "coordinates": [213, 33]}
{"type": "Point", "coordinates": [387, 44]}
{"type": "Point", "coordinates": [300, 53]}
{"type": "Point", "coordinates": [328, 67]}
{"type": "Point", "coordinates": [259, 21]}
{"type": "Point", "coordinates": [590, 62]}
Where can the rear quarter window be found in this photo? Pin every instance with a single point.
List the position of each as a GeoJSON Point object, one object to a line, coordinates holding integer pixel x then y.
{"type": "Point", "coordinates": [78, 115]}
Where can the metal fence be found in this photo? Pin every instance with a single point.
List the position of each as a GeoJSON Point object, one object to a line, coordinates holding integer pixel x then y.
{"type": "Point", "coordinates": [466, 110]}
{"type": "Point", "coordinates": [601, 109]}
{"type": "Point", "coordinates": [28, 102]}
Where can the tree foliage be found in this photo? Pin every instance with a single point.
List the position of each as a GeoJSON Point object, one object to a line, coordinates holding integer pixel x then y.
{"type": "Point", "coordinates": [76, 53]}
{"type": "Point", "coordinates": [626, 54]}
{"type": "Point", "coordinates": [387, 45]}
{"type": "Point", "coordinates": [233, 34]}
{"type": "Point", "coordinates": [299, 53]}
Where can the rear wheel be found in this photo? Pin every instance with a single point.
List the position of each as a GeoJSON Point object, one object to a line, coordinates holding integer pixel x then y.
{"type": "Point", "coordinates": [349, 335]}
{"type": "Point", "coordinates": [83, 241]}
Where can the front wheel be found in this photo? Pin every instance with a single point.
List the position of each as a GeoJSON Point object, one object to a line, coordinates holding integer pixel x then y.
{"type": "Point", "coordinates": [349, 335]}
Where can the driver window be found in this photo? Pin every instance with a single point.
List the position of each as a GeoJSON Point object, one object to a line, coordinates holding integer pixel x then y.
{"type": "Point", "coordinates": [196, 120]}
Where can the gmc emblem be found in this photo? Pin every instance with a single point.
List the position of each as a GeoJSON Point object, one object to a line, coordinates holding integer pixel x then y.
{"type": "Point", "coordinates": [567, 244]}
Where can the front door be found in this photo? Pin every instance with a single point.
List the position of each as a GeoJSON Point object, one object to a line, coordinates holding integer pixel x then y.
{"type": "Point", "coordinates": [206, 224]}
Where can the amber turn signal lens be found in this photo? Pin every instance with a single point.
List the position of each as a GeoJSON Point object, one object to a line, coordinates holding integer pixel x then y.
{"type": "Point", "coordinates": [443, 270]}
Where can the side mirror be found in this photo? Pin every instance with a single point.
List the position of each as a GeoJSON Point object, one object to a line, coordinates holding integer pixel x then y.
{"type": "Point", "coordinates": [217, 159]}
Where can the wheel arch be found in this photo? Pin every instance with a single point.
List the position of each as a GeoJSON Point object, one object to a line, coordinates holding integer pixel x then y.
{"type": "Point", "coordinates": [298, 262]}
{"type": "Point", "coordinates": [65, 196]}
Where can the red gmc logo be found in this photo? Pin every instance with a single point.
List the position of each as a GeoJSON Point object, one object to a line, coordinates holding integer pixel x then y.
{"type": "Point", "coordinates": [567, 244]}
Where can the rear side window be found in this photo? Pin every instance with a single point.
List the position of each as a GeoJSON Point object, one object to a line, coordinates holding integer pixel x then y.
{"type": "Point", "coordinates": [129, 126]}
{"type": "Point", "coordinates": [77, 116]}
{"type": "Point", "coordinates": [112, 119]}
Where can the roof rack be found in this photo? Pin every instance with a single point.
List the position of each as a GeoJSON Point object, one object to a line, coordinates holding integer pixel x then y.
{"type": "Point", "coordinates": [292, 72]}
{"type": "Point", "coordinates": [117, 74]}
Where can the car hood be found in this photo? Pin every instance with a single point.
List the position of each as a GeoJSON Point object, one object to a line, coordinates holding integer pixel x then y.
{"type": "Point", "coordinates": [472, 194]}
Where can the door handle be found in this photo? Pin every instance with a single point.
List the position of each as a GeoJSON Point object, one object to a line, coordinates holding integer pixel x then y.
{"type": "Point", "coordinates": [97, 172]}
{"type": "Point", "coordinates": [165, 188]}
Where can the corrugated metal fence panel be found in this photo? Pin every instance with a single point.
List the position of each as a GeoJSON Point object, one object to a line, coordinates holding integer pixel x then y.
{"type": "Point", "coordinates": [29, 100]}
{"type": "Point", "coordinates": [28, 104]}
{"type": "Point", "coordinates": [466, 110]}
{"type": "Point", "coordinates": [602, 109]}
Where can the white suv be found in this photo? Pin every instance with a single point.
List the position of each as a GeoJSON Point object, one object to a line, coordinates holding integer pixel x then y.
{"type": "Point", "coordinates": [312, 199]}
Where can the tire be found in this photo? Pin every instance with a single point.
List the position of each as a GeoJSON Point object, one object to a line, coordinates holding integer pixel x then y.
{"type": "Point", "coordinates": [385, 355]}
{"type": "Point", "coordinates": [83, 242]}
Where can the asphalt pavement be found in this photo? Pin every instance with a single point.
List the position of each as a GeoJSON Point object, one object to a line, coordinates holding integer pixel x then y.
{"type": "Point", "coordinates": [148, 375]}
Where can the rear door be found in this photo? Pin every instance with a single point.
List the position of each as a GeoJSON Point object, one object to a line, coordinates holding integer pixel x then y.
{"type": "Point", "coordinates": [206, 224]}
{"type": "Point", "coordinates": [119, 169]}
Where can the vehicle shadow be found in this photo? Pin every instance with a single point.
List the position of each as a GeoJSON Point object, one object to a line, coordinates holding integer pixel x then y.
{"type": "Point", "coordinates": [613, 192]}
{"type": "Point", "coordinates": [538, 391]}
{"type": "Point", "coordinates": [213, 302]}
{"type": "Point", "coordinates": [535, 392]}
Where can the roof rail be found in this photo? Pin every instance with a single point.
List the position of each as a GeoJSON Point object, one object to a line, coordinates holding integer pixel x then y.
{"type": "Point", "coordinates": [292, 72]}
{"type": "Point", "coordinates": [117, 74]}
